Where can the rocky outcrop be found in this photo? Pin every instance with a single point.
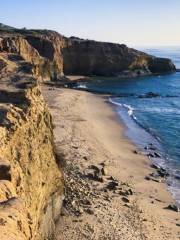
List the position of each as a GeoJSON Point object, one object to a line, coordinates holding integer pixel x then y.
{"type": "Point", "coordinates": [50, 55]}
{"type": "Point", "coordinates": [31, 186]}
{"type": "Point", "coordinates": [107, 59]}
{"type": "Point", "coordinates": [42, 51]}
{"type": "Point", "coordinates": [49, 48]}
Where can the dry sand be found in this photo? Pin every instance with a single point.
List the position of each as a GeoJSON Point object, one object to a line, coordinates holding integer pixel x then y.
{"type": "Point", "coordinates": [87, 132]}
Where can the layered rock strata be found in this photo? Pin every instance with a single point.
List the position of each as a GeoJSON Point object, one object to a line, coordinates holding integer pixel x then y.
{"type": "Point", "coordinates": [51, 55]}
{"type": "Point", "coordinates": [31, 185]}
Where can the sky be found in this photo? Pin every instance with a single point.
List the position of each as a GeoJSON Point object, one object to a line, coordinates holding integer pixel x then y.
{"type": "Point", "coordinates": [133, 22]}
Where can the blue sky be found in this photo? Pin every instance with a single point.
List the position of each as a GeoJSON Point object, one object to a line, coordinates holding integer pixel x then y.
{"type": "Point", "coordinates": [134, 22]}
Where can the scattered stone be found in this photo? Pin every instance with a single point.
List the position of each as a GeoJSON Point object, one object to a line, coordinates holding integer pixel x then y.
{"type": "Point", "coordinates": [127, 205]}
{"type": "Point", "coordinates": [94, 168]}
{"type": "Point", "coordinates": [150, 155]}
{"type": "Point", "coordinates": [89, 211]}
{"type": "Point", "coordinates": [152, 148]}
{"type": "Point", "coordinates": [112, 178]}
{"type": "Point", "coordinates": [162, 172]}
{"type": "Point", "coordinates": [135, 152]}
{"type": "Point", "coordinates": [85, 202]}
{"type": "Point", "coordinates": [104, 171]}
{"type": "Point", "coordinates": [147, 178]}
{"type": "Point", "coordinates": [94, 173]}
{"type": "Point", "coordinates": [112, 185]}
{"type": "Point", "coordinates": [125, 199]}
{"type": "Point", "coordinates": [75, 147]}
{"type": "Point", "coordinates": [103, 164]}
{"type": "Point", "coordinates": [80, 210]}
{"type": "Point", "coordinates": [173, 207]}
{"type": "Point", "coordinates": [126, 192]}
{"type": "Point", "coordinates": [2, 222]}
{"type": "Point", "coordinates": [129, 192]}
{"type": "Point", "coordinates": [154, 166]}
{"type": "Point", "coordinates": [158, 200]}
{"type": "Point", "coordinates": [156, 154]}
{"type": "Point", "coordinates": [158, 180]}
{"type": "Point", "coordinates": [64, 212]}
{"type": "Point", "coordinates": [75, 220]}
{"type": "Point", "coordinates": [177, 177]}
{"type": "Point", "coordinates": [156, 177]}
{"type": "Point", "coordinates": [107, 198]}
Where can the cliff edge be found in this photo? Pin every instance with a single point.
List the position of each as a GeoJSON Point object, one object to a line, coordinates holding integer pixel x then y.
{"type": "Point", "coordinates": [31, 185]}
{"type": "Point", "coordinates": [51, 55]}
{"type": "Point", "coordinates": [85, 57]}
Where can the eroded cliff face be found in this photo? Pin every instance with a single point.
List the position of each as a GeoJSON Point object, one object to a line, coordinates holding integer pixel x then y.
{"type": "Point", "coordinates": [51, 55]}
{"type": "Point", "coordinates": [108, 59]}
{"type": "Point", "coordinates": [42, 51]}
{"type": "Point", "coordinates": [31, 186]}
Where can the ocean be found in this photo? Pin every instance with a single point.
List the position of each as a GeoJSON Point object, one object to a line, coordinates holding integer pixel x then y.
{"type": "Point", "coordinates": [150, 109]}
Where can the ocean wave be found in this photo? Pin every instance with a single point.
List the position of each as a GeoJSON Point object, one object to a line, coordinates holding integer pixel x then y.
{"type": "Point", "coordinates": [173, 180]}
{"type": "Point", "coordinates": [146, 109]}
{"type": "Point", "coordinates": [82, 86]}
{"type": "Point", "coordinates": [160, 110]}
{"type": "Point", "coordinates": [130, 109]}
{"type": "Point", "coordinates": [114, 102]}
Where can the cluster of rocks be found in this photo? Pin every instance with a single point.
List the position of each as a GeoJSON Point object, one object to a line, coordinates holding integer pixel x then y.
{"type": "Point", "coordinates": [161, 174]}
{"type": "Point", "coordinates": [78, 192]}
{"type": "Point", "coordinates": [96, 173]}
{"type": "Point", "coordinates": [173, 207]}
{"type": "Point", "coordinates": [83, 188]}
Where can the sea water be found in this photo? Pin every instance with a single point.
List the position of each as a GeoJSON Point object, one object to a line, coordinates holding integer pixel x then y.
{"type": "Point", "coordinates": [150, 108]}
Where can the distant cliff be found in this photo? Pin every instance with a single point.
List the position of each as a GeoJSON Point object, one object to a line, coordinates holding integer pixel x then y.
{"type": "Point", "coordinates": [52, 55]}
{"type": "Point", "coordinates": [108, 59]}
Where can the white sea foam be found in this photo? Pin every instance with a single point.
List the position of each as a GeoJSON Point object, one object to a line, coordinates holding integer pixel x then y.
{"type": "Point", "coordinates": [82, 86]}
{"type": "Point", "coordinates": [161, 110]}
{"type": "Point", "coordinates": [130, 109]}
{"type": "Point", "coordinates": [114, 102]}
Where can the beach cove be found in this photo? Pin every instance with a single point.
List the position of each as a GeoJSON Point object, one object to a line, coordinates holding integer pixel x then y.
{"type": "Point", "coordinates": [120, 203]}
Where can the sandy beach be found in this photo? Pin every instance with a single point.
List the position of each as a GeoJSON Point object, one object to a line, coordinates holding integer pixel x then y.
{"type": "Point", "coordinates": [107, 195]}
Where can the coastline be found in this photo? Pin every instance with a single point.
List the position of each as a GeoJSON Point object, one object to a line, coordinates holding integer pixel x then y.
{"type": "Point", "coordinates": [88, 132]}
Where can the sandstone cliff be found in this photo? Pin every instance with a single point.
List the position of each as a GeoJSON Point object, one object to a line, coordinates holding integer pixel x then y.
{"type": "Point", "coordinates": [40, 49]}
{"type": "Point", "coordinates": [31, 185]}
{"type": "Point", "coordinates": [50, 55]}
{"type": "Point", "coordinates": [107, 59]}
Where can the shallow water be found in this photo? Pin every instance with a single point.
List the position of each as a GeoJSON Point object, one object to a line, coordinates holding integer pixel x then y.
{"type": "Point", "coordinates": [154, 119]}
